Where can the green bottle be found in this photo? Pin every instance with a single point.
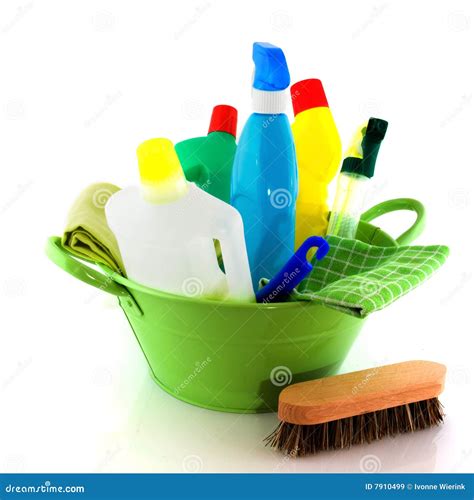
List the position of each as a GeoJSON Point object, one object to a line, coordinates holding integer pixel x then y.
{"type": "Point", "coordinates": [207, 161]}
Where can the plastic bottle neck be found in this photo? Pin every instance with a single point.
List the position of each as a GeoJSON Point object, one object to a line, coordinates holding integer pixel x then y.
{"type": "Point", "coordinates": [169, 190]}
{"type": "Point", "coordinates": [269, 102]}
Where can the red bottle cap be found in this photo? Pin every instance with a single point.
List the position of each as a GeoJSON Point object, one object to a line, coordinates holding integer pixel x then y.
{"type": "Point", "coordinates": [308, 94]}
{"type": "Point", "coordinates": [224, 119]}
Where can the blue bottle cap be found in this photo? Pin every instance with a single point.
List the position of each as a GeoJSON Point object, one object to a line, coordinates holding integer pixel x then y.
{"type": "Point", "coordinates": [271, 70]}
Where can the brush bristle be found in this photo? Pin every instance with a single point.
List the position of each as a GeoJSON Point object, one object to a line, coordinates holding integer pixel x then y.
{"type": "Point", "coordinates": [299, 440]}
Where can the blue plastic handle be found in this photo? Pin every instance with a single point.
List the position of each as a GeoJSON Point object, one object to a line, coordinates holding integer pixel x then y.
{"type": "Point", "coordinates": [293, 272]}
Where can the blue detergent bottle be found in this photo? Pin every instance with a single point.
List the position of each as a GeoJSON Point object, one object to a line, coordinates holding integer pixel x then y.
{"type": "Point", "coordinates": [264, 182]}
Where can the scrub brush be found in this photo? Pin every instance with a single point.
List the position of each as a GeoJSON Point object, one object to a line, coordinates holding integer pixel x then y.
{"type": "Point", "coordinates": [359, 407]}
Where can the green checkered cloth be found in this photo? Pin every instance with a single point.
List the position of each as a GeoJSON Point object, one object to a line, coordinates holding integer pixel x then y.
{"type": "Point", "coordinates": [358, 278]}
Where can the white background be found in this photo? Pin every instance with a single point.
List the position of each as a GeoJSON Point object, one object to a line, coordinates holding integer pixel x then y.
{"type": "Point", "coordinates": [83, 83]}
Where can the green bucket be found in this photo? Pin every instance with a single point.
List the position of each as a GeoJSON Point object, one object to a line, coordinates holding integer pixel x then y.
{"type": "Point", "coordinates": [235, 357]}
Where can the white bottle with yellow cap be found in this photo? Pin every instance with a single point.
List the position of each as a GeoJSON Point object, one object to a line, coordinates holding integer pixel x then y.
{"type": "Point", "coordinates": [166, 230]}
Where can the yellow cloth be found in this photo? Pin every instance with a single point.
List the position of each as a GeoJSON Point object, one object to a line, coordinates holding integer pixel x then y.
{"type": "Point", "coordinates": [87, 233]}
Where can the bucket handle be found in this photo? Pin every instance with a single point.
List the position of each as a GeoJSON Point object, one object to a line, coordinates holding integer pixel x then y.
{"type": "Point", "coordinates": [75, 267]}
{"type": "Point", "coordinates": [400, 204]}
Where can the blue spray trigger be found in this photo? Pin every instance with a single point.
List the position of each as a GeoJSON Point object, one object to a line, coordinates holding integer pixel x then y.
{"type": "Point", "coordinates": [293, 272]}
{"type": "Point", "coordinates": [271, 70]}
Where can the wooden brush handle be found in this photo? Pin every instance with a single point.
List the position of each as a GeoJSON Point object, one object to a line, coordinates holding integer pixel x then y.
{"type": "Point", "coordinates": [341, 396]}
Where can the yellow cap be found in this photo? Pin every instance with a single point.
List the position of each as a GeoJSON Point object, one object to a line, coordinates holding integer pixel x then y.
{"type": "Point", "coordinates": [161, 174]}
{"type": "Point", "coordinates": [355, 148]}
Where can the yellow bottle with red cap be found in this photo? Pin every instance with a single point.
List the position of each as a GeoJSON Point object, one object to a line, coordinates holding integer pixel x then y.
{"type": "Point", "coordinates": [318, 153]}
